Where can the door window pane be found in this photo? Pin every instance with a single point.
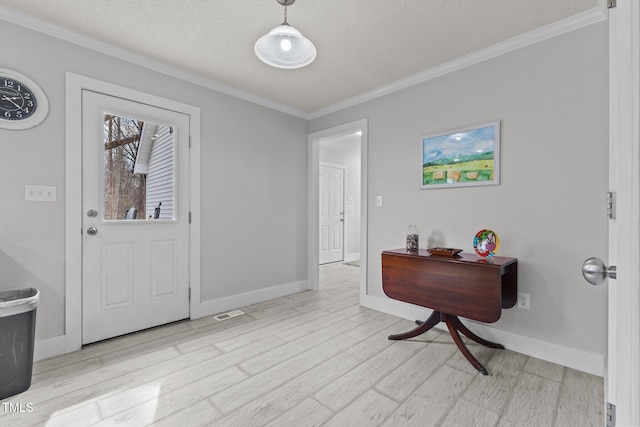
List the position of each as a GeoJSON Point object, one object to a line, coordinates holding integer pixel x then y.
{"type": "Point", "coordinates": [138, 168]}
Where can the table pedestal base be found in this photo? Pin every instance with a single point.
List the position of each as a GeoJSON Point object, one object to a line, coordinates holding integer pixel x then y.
{"type": "Point", "coordinates": [454, 324]}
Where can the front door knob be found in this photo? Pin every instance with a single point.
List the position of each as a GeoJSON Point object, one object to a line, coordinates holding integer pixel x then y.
{"type": "Point", "coordinates": [92, 231]}
{"type": "Point", "coordinates": [595, 272]}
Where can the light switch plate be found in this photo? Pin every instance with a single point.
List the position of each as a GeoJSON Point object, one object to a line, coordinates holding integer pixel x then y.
{"type": "Point", "coordinates": [378, 201]}
{"type": "Point", "coordinates": [41, 193]}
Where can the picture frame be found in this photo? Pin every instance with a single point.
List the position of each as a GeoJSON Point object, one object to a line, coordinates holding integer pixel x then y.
{"type": "Point", "coordinates": [464, 157]}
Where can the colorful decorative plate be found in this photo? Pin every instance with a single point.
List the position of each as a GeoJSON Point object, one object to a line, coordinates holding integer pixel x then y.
{"type": "Point", "coordinates": [486, 243]}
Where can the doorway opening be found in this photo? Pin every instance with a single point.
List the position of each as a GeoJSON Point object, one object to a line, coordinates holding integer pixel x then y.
{"type": "Point", "coordinates": [342, 148]}
{"type": "Point", "coordinates": [340, 164]}
{"type": "Point", "coordinates": [77, 88]}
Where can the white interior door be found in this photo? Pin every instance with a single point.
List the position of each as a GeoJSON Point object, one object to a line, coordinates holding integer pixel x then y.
{"type": "Point", "coordinates": [622, 382]}
{"type": "Point", "coordinates": [135, 198]}
{"type": "Point", "coordinates": [331, 214]}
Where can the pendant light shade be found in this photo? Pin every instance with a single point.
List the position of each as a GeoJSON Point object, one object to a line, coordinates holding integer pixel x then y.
{"type": "Point", "coordinates": [284, 46]}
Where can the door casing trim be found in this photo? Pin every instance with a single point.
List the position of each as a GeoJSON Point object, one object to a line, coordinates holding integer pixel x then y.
{"type": "Point", "coordinates": [622, 376]}
{"type": "Point", "coordinates": [75, 84]}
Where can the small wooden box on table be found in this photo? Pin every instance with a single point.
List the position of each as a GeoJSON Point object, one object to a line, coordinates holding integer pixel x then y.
{"type": "Point", "coordinates": [462, 285]}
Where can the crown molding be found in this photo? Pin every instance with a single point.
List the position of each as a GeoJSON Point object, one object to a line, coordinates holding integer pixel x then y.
{"type": "Point", "coordinates": [35, 24]}
{"type": "Point", "coordinates": [575, 22]}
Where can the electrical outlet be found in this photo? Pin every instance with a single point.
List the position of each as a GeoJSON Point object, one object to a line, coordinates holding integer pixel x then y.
{"type": "Point", "coordinates": [523, 301]}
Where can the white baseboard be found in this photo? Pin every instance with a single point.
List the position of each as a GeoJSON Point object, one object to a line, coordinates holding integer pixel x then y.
{"type": "Point", "coordinates": [220, 305]}
{"type": "Point", "coordinates": [352, 257]}
{"type": "Point", "coordinates": [49, 347]}
{"type": "Point", "coordinates": [581, 360]}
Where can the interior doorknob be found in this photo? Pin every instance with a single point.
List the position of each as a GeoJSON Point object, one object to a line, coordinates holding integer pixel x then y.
{"type": "Point", "coordinates": [595, 272]}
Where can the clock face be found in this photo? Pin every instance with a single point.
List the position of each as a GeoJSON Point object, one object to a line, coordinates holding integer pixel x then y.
{"type": "Point", "coordinates": [22, 103]}
{"type": "Point", "coordinates": [17, 101]}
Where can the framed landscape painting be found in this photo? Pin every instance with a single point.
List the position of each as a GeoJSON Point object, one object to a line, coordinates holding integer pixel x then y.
{"type": "Point", "coordinates": [460, 158]}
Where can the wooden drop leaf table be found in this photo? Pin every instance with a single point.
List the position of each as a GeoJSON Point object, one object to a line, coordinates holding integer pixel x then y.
{"type": "Point", "coordinates": [465, 285]}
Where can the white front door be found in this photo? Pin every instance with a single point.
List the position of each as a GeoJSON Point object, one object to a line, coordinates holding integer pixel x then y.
{"type": "Point", "coordinates": [135, 202]}
{"type": "Point", "coordinates": [331, 214]}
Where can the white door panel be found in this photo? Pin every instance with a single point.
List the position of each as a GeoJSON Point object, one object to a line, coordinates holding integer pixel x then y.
{"type": "Point", "coordinates": [135, 272]}
{"type": "Point", "coordinates": [116, 283]}
{"type": "Point", "coordinates": [331, 214]}
{"type": "Point", "coordinates": [164, 269]}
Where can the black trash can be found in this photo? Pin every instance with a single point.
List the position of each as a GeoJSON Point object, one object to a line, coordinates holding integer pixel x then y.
{"type": "Point", "coordinates": [17, 335]}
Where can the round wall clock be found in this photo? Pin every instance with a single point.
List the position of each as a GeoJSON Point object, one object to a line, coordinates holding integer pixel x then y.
{"type": "Point", "coordinates": [23, 104]}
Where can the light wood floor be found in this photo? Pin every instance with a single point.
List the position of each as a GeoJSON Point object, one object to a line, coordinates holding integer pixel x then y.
{"type": "Point", "coordinates": [310, 359]}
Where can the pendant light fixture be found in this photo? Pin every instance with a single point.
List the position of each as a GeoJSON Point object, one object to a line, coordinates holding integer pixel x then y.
{"type": "Point", "coordinates": [284, 46]}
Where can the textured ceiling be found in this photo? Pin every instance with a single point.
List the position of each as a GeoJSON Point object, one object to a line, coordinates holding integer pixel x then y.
{"type": "Point", "coordinates": [362, 44]}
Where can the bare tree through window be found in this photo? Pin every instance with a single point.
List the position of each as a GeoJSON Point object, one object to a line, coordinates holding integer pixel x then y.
{"type": "Point", "coordinates": [123, 189]}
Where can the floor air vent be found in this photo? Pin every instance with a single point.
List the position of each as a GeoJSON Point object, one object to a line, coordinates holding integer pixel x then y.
{"type": "Point", "coordinates": [228, 315]}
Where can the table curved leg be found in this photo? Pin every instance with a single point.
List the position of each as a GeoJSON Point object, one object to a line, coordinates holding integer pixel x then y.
{"type": "Point", "coordinates": [423, 327]}
{"type": "Point", "coordinates": [463, 348]}
{"type": "Point", "coordinates": [460, 326]}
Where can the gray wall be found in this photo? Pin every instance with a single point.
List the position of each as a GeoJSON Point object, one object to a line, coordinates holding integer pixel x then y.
{"type": "Point", "coordinates": [552, 98]}
{"type": "Point", "coordinates": [253, 185]}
